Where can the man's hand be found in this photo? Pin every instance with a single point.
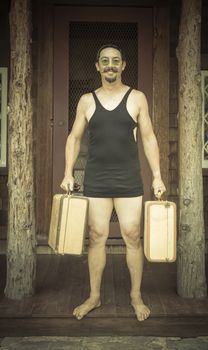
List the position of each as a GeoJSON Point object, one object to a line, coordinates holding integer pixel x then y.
{"type": "Point", "coordinates": [158, 187]}
{"type": "Point", "coordinates": [67, 183]}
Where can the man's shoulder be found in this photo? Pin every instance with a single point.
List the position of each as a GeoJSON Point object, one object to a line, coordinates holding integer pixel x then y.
{"type": "Point", "coordinates": [86, 96]}
{"type": "Point", "coordinates": [138, 93]}
{"type": "Point", "coordinates": [138, 97]}
{"type": "Point", "coordinates": [86, 99]}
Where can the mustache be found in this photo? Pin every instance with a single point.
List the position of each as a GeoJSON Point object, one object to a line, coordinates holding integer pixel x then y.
{"type": "Point", "coordinates": [110, 69]}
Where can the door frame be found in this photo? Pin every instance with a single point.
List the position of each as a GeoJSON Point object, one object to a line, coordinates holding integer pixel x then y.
{"type": "Point", "coordinates": [62, 16]}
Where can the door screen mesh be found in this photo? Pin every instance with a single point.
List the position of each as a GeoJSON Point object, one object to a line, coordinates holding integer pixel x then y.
{"type": "Point", "coordinates": [85, 38]}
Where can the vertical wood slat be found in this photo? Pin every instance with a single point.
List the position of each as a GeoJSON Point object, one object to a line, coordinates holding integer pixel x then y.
{"type": "Point", "coordinates": [44, 119]}
{"type": "Point", "coordinates": [161, 88]}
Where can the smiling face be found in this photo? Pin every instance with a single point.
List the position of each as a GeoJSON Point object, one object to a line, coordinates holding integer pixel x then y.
{"type": "Point", "coordinates": [110, 64]}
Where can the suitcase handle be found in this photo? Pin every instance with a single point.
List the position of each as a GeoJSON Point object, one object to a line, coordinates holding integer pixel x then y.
{"type": "Point", "coordinates": [75, 189]}
{"type": "Point", "coordinates": [159, 195]}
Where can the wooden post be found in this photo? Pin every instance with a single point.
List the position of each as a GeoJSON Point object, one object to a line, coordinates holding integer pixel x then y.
{"type": "Point", "coordinates": [21, 257]}
{"type": "Point", "coordinates": [191, 240]}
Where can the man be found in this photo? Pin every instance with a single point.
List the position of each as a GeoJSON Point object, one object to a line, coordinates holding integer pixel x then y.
{"type": "Point", "coordinates": [112, 174]}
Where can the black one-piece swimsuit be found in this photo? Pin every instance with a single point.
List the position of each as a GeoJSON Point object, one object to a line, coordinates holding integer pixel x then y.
{"type": "Point", "coordinates": [113, 168]}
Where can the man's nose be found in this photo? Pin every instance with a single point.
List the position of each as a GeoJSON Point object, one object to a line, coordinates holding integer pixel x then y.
{"type": "Point", "coordinates": [110, 63]}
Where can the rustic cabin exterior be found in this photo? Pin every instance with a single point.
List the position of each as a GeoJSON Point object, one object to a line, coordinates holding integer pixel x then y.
{"type": "Point", "coordinates": [65, 38]}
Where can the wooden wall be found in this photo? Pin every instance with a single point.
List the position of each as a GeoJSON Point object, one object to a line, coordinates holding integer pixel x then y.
{"type": "Point", "coordinates": [161, 89]}
{"type": "Point", "coordinates": [43, 116]}
{"type": "Point", "coordinates": [173, 102]}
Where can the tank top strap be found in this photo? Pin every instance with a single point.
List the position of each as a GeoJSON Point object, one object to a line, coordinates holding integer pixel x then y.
{"type": "Point", "coordinates": [122, 103]}
{"type": "Point", "coordinates": [124, 100]}
{"type": "Point", "coordinates": [97, 102]}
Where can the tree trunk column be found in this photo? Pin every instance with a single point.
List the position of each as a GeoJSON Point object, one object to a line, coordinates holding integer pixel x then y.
{"type": "Point", "coordinates": [21, 255]}
{"type": "Point", "coordinates": [191, 240]}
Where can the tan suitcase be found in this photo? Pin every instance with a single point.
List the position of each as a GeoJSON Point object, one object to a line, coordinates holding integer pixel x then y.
{"type": "Point", "coordinates": [160, 231]}
{"type": "Point", "coordinates": [68, 224]}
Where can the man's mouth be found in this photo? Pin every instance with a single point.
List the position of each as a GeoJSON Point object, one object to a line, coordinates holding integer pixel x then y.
{"type": "Point", "coordinates": [111, 69]}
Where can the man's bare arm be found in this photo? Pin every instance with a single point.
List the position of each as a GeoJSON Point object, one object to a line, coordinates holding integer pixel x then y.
{"type": "Point", "coordinates": [150, 144]}
{"type": "Point", "coordinates": [73, 143]}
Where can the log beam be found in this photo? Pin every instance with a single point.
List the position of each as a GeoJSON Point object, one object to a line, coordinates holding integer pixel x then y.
{"type": "Point", "coordinates": [191, 241]}
{"type": "Point", "coordinates": [21, 257]}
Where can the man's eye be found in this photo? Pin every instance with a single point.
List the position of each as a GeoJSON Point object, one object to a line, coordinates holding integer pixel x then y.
{"type": "Point", "coordinates": [116, 62]}
{"type": "Point", "coordinates": [104, 62]}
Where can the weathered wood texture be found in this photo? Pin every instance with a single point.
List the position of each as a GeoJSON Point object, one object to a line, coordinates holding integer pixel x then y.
{"type": "Point", "coordinates": [21, 258]}
{"type": "Point", "coordinates": [161, 88]}
{"type": "Point", "coordinates": [191, 240]}
{"type": "Point", "coordinates": [44, 120]}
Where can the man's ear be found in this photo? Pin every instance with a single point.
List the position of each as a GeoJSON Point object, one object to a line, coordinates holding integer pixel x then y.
{"type": "Point", "coordinates": [97, 66]}
{"type": "Point", "coordinates": [123, 65]}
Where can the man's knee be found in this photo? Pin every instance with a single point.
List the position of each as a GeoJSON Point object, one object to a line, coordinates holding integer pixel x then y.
{"type": "Point", "coordinates": [98, 235]}
{"type": "Point", "coordinates": [131, 234]}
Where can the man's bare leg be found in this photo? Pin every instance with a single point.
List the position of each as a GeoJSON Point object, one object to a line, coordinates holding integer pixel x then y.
{"type": "Point", "coordinates": [129, 215]}
{"type": "Point", "coordinates": [100, 210]}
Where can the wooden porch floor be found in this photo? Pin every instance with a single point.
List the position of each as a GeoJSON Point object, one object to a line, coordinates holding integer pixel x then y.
{"type": "Point", "coordinates": [63, 283]}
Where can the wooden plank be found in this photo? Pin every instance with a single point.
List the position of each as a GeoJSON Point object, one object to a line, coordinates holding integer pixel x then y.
{"type": "Point", "coordinates": [45, 299]}
{"type": "Point", "coordinates": [151, 295]}
{"type": "Point", "coordinates": [44, 119]}
{"type": "Point", "coordinates": [64, 285]}
{"type": "Point", "coordinates": [122, 286]}
{"type": "Point", "coordinates": [108, 286]}
{"type": "Point", "coordinates": [161, 88]}
{"type": "Point", "coordinates": [108, 307]}
{"type": "Point", "coordinates": [130, 3]}
{"type": "Point", "coordinates": [149, 288]}
{"type": "Point", "coordinates": [80, 282]}
{"type": "Point", "coordinates": [58, 293]}
{"type": "Point", "coordinates": [44, 264]}
{"type": "Point", "coordinates": [119, 326]}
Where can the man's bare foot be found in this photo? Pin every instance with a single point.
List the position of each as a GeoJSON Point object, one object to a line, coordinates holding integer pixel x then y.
{"type": "Point", "coordinates": [141, 310]}
{"type": "Point", "coordinates": [83, 309]}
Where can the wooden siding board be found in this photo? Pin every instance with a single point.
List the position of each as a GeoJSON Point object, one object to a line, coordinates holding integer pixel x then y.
{"type": "Point", "coordinates": [161, 88]}
{"type": "Point", "coordinates": [44, 120]}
